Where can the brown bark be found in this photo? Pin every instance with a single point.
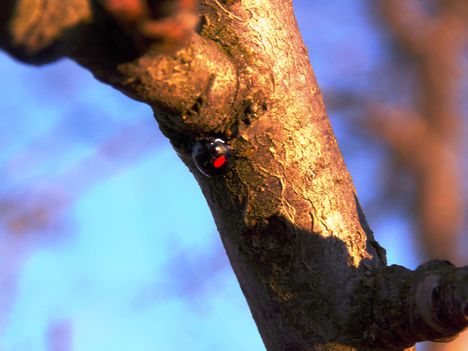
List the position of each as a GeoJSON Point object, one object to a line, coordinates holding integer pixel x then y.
{"type": "Point", "coordinates": [311, 271]}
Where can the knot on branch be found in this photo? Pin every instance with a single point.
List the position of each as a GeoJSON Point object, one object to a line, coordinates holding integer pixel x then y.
{"type": "Point", "coordinates": [430, 304]}
{"type": "Point", "coordinates": [441, 299]}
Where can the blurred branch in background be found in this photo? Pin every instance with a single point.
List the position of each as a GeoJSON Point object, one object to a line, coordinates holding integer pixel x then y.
{"type": "Point", "coordinates": [426, 138]}
{"type": "Point", "coordinates": [38, 206]}
{"type": "Point", "coordinates": [36, 215]}
{"type": "Point", "coordinates": [168, 23]}
{"type": "Point", "coordinates": [416, 113]}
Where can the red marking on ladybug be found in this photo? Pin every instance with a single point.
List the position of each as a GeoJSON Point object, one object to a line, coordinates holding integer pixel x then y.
{"type": "Point", "coordinates": [219, 162]}
{"type": "Point", "coordinates": [212, 156]}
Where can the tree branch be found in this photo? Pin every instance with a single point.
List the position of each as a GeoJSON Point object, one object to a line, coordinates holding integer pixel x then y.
{"type": "Point", "coordinates": [430, 303]}
{"type": "Point", "coordinates": [409, 22]}
{"type": "Point", "coordinates": [286, 210]}
{"type": "Point", "coordinates": [193, 90]}
{"type": "Point", "coordinates": [165, 24]}
{"type": "Point", "coordinates": [427, 138]}
{"type": "Point", "coordinates": [41, 31]}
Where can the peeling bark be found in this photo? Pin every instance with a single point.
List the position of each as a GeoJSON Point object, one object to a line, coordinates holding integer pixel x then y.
{"type": "Point", "coordinates": [311, 271]}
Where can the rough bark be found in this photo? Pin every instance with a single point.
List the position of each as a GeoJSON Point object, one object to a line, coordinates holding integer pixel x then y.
{"type": "Point", "coordinates": [287, 212]}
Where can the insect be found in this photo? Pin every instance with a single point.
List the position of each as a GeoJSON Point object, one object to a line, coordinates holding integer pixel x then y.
{"type": "Point", "coordinates": [212, 156]}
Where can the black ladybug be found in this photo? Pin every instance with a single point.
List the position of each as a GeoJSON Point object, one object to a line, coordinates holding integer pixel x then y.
{"type": "Point", "coordinates": [212, 156]}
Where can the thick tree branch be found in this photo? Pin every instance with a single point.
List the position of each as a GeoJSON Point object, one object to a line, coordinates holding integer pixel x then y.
{"type": "Point", "coordinates": [286, 210]}
{"type": "Point", "coordinates": [427, 304]}
{"type": "Point", "coordinates": [40, 31]}
{"type": "Point", "coordinates": [193, 90]}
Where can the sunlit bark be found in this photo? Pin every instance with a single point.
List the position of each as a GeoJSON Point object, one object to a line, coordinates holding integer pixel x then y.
{"type": "Point", "coordinates": [310, 269]}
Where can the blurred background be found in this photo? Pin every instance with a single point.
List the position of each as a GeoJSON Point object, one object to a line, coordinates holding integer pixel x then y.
{"type": "Point", "coordinates": [106, 242]}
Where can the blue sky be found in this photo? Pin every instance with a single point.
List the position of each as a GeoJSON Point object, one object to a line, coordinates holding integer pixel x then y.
{"type": "Point", "coordinates": [127, 256]}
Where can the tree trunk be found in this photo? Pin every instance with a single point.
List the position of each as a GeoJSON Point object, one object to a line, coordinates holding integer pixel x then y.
{"type": "Point", "coordinates": [287, 211]}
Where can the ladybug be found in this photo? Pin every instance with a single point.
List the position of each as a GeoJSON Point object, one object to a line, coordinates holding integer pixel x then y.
{"type": "Point", "coordinates": [212, 156]}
